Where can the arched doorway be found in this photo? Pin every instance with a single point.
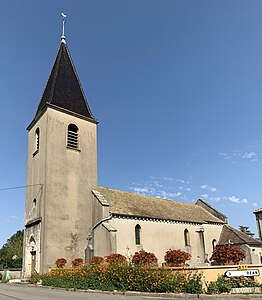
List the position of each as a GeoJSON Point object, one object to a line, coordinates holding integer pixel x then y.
{"type": "Point", "coordinates": [33, 254]}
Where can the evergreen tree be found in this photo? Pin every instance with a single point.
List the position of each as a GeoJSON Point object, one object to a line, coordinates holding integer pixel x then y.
{"type": "Point", "coordinates": [11, 254]}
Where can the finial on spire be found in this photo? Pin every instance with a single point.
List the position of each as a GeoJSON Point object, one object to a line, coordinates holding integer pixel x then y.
{"type": "Point", "coordinates": [63, 28]}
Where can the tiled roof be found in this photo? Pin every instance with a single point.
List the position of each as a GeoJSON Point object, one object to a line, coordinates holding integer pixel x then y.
{"type": "Point", "coordinates": [237, 237]}
{"type": "Point", "coordinates": [63, 88]}
{"type": "Point", "coordinates": [130, 204]}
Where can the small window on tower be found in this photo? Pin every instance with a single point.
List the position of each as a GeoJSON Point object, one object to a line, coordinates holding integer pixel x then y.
{"type": "Point", "coordinates": [34, 202]}
{"type": "Point", "coordinates": [72, 136]}
{"type": "Point", "coordinates": [37, 140]}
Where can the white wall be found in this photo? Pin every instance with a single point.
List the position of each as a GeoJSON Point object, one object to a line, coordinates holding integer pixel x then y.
{"type": "Point", "coordinates": [158, 237]}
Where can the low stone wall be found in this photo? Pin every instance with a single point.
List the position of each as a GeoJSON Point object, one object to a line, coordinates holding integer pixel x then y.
{"type": "Point", "coordinates": [13, 273]}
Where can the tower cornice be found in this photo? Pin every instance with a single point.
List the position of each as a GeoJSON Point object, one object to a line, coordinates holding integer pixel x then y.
{"type": "Point", "coordinates": [48, 105]}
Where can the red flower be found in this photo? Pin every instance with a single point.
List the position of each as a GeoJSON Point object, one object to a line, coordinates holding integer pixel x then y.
{"type": "Point", "coordinates": [223, 254]}
{"type": "Point", "coordinates": [60, 262]}
{"type": "Point", "coordinates": [144, 258]}
{"type": "Point", "coordinates": [176, 257]}
{"type": "Point", "coordinates": [116, 258]}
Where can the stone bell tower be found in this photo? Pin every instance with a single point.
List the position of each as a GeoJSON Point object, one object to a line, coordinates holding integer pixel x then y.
{"type": "Point", "coordinates": [61, 170]}
{"type": "Point", "coordinates": [258, 214]}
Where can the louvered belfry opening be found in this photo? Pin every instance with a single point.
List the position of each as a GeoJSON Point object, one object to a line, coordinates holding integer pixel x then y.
{"type": "Point", "coordinates": [37, 137]}
{"type": "Point", "coordinates": [72, 136]}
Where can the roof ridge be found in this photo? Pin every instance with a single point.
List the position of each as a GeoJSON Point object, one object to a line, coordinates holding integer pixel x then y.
{"type": "Point", "coordinates": [208, 211]}
{"type": "Point", "coordinates": [239, 233]}
{"type": "Point", "coordinates": [58, 59]}
{"type": "Point", "coordinates": [78, 80]}
{"type": "Point", "coordinates": [38, 107]}
{"type": "Point", "coordinates": [134, 193]}
{"type": "Point", "coordinates": [211, 206]}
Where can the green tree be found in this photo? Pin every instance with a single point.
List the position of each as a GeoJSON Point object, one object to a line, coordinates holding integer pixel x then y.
{"type": "Point", "coordinates": [11, 254]}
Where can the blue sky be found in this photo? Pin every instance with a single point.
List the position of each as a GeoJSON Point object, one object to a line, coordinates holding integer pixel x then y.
{"type": "Point", "coordinates": [176, 86]}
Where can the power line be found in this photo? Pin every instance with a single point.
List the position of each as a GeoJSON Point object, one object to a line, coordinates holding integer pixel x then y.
{"type": "Point", "coordinates": [19, 187]}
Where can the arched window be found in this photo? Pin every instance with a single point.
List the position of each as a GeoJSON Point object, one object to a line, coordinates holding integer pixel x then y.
{"type": "Point", "coordinates": [186, 237]}
{"type": "Point", "coordinates": [214, 243]}
{"type": "Point", "coordinates": [138, 234]}
{"type": "Point", "coordinates": [72, 136]}
{"type": "Point", "coordinates": [34, 202]}
{"type": "Point", "coordinates": [37, 139]}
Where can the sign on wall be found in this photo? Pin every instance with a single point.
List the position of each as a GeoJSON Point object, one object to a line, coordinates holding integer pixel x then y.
{"type": "Point", "coordinates": [247, 273]}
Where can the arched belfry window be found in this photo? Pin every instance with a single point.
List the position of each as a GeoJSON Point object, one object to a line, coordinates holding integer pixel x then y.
{"type": "Point", "coordinates": [186, 237]}
{"type": "Point", "coordinates": [37, 141]}
{"type": "Point", "coordinates": [138, 234]}
{"type": "Point", "coordinates": [72, 136]}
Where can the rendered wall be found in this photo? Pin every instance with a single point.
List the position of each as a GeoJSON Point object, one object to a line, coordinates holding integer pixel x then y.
{"type": "Point", "coordinates": [68, 176]}
{"type": "Point", "coordinates": [158, 237]}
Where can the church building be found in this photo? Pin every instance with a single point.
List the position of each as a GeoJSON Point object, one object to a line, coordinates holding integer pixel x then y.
{"type": "Point", "coordinates": [68, 215]}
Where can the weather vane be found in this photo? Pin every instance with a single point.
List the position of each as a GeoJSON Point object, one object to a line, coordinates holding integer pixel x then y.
{"type": "Point", "coordinates": [63, 28]}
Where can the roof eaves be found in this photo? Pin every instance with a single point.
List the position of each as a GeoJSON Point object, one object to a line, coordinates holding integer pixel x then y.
{"type": "Point", "coordinates": [155, 218]}
{"type": "Point", "coordinates": [37, 117]}
{"type": "Point", "coordinates": [69, 112]}
{"type": "Point", "coordinates": [72, 113]}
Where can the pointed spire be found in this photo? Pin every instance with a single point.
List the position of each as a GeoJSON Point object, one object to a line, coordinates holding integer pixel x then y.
{"type": "Point", "coordinates": [63, 89]}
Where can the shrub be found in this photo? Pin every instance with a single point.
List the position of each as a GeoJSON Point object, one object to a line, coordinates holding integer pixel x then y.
{"type": "Point", "coordinates": [35, 278]}
{"type": "Point", "coordinates": [77, 262]}
{"type": "Point", "coordinates": [224, 254]}
{"type": "Point", "coordinates": [225, 285]}
{"type": "Point", "coordinates": [221, 285]}
{"type": "Point", "coordinates": [116, 259]}
{"type": "Point", "coordinates": [190, 282]}
{"type": "Point", "coordinates": [176, 257]}
{"type": "Point", "coordinates": [242, 281]}
{"type": "Point", "coordinates": [144, 258]}
{"type": "Point", "coordinates": [60, 262]}
{"type": "Point", "coordinates": [194, 283]}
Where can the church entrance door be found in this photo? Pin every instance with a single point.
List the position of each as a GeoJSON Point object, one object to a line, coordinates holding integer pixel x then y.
{"type": "Point", "coordinates": [33, 261]}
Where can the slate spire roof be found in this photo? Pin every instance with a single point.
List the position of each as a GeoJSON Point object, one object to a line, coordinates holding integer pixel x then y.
{"type": "Point", "coordinates": [63, 88]}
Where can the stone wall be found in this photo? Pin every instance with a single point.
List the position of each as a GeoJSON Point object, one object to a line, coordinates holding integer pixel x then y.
{"type": "Point", "coordinates": [14, 273]}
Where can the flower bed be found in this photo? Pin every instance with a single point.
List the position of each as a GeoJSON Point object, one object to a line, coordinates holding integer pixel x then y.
{"type": "Point", "coordinates": [109, 277]}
